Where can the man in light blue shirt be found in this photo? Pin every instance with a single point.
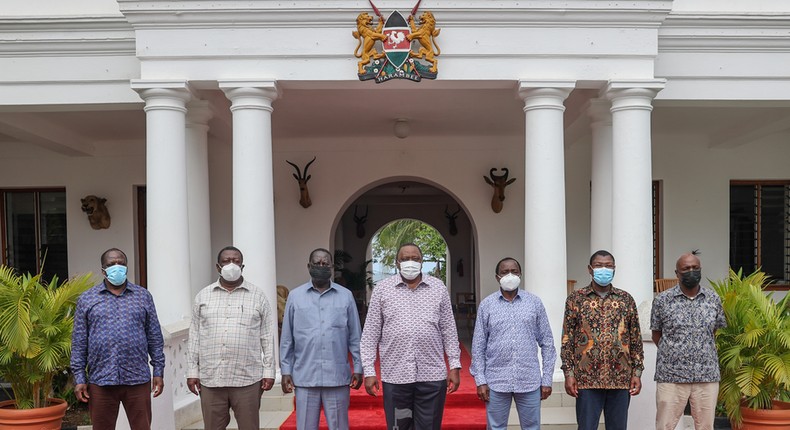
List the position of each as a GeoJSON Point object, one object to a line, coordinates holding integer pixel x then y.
{"type": "Point", "coordinates": [511, 325]}
{"type": "Point", "coordinates": [320, 328]}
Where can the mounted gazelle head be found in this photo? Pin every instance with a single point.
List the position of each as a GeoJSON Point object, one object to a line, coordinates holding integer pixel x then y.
{"type": "Point", "coordinates": [499, 183]}
{"type": "Point", "coordinates": [302, 178]}
{"type": "Point", "coordinates": [360, 221]}
{"type": "Point", "coordinates": [451, 219]}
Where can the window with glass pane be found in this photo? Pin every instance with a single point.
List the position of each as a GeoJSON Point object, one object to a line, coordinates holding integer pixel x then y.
{"type": "Point", "coordinates": [35, 231]}
{"type": "Point", "coordinates": [760, 228]}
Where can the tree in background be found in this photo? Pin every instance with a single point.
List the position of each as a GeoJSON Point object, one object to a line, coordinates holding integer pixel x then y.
{"type": "Point", "coordinates": [434, 249]}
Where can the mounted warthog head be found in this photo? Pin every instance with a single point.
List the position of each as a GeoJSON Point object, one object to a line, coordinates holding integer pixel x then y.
{"type": "Point", "coordinates": [499, 183]}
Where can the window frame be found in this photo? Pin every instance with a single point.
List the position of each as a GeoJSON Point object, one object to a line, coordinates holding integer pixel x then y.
{"type": "Point", "coordinates": [37, 191]}
{"type": "Point", "coordinates": [784, 284]}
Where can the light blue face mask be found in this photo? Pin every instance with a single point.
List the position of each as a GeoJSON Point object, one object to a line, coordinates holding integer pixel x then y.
{"type": "Point", "coordinates": [603, 276]}
{"type": "Point", "coordinates": [116, 274]}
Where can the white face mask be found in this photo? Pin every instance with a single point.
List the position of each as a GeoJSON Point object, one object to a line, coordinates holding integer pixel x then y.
{"type": "Point", "coordinates": [231, 272]}
{"type": "Point", "coordinates": [410, 269]}
{"type": "Point", "coordinates": [509, 282]}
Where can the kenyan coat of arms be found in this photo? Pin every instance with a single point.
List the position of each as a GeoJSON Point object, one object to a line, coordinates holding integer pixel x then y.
{"type": "Point", "coordinates": [396, 36]}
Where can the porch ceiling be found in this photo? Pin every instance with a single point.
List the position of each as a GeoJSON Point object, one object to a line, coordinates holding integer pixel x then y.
{"type": "Point", "coordinates": [368, 112]}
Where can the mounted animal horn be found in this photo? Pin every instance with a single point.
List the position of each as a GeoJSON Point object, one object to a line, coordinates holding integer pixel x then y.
{"type": "Point", "coordinates": [360, 221]}
{"type": "Point", "coordinates": [302, 178]}
{"type": "Point", "coordinates": [498, 183]}
{"type": "Point", "coordinates": [451, 219]}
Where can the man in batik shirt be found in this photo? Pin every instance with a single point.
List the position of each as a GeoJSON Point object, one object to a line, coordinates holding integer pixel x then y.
{"type": "Point", "coordinates": [602, 354]}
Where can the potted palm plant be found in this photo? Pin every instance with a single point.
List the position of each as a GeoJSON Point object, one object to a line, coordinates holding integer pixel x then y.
{"type": "Point", "coordinates": [36, 320]}
{"type": "Point", "coordinates": [754, 353]}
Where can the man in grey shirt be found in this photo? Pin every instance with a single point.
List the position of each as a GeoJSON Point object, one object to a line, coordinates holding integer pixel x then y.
{"type": "Point", "coordinates": [320, 328]}
{"type": "Point", "coordinates": [684, 321]}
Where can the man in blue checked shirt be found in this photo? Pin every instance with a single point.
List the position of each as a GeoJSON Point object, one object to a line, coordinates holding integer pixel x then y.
{"type": "Point", "coordinates": [115, 331]}
{"type": "Point", "coordinates": [320, 329]}
{"type": "Point", "coordinates": [511, 325]}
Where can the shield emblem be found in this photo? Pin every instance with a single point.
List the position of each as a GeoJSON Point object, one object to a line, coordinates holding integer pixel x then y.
{"type": "Point", "coordinates": [396, 47]}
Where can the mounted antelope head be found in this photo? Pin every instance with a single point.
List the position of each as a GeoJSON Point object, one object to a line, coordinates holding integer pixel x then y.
{"type": "Point", "coordinates": [302, 178]}
{"type": "Point", "coordinates": [360, 220]}
{"type": "Point", "coordinates": [499, 183]}
{"type": "Point", "coordinates": [451, 218]}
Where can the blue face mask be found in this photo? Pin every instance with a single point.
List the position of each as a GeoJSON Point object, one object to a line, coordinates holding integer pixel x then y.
{"type": "Point", "coordinates": [116, 274]}
{"type": "Point", "coordinates": [603, 276]}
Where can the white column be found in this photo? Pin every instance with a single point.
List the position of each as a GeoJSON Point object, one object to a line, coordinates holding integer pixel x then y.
{"type": "Point", "coordinates": [601, 179]}
{"type": "Point", "coordinates": [166, 190]}
{"type": "Point", "coordinates": [201, 254]}
{"type": "Point", "coordinates": [632, 228]}
{"type": "Point", "coordinates": [253, 186]}
{"type": "Point", "coordinates": [545, 270]}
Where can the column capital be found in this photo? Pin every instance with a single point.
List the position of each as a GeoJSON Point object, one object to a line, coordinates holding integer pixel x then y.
{"type": "Point", "coordinates": [249, 94]}
{"type": "Point", "coordinates": [548, 94]}
{"type": "Point", "coordinates": [166, 95]}
{"type": "Point", "coordinates": [633, 94]}
{"type": "Point", "coordinates": [599, 111]}
{"type": "Point", "coordinates": [199, 112]}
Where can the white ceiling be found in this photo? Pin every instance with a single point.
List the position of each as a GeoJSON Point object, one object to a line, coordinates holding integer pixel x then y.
{"type": "Point", "coordinates": [372, 111]}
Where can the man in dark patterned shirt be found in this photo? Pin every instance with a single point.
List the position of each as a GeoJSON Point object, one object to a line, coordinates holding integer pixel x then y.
{"type": "Point", "coordinates": [602, 355]}
{"type": "Point", "coordinates": [684, 321]}
{"type": "Point", "coordinates": [115, 332]}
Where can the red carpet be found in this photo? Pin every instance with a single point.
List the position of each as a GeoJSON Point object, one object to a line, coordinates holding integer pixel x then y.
{"type": "Point", "coordinates": [462, 409]}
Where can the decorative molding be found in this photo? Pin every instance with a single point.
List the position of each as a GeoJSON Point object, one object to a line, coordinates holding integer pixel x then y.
{"type": "Point", "coordinates": [724, 33]}
{"type": "Point", "coordinates": [28, 37]}
{"type": "Point", "coordinates": [320, 14]}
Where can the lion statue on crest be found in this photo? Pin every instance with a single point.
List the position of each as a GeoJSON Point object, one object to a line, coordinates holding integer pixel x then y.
{"type": "Point", "coordinates": [425, 35]}
{"type": "Point", "coordinates": [367, 37]}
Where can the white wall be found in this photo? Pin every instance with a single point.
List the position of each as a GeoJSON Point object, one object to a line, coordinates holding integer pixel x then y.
{"type": "Point", "coordinates": [112, 174]}
{"type": "Point", "coordinates": [696, 192]}
{"type": "Point", "coordinates": [342, 169]}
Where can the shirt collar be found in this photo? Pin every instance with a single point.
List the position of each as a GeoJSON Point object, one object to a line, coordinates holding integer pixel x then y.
{"type": "Point", "coordinates": [313, 288]}
{"type": "Point", "coordinates": [423, 281]}
{"type": "Point", "coordinates": [520, 295]}
{"type": "Point", "coordinates": [589, 290]}
{"type": "Point", "coordinates": [242, 286]}
{"type": "Point", "coordinates": [104, 288]}
{"type": "Point", "coordinates": [677, 291]}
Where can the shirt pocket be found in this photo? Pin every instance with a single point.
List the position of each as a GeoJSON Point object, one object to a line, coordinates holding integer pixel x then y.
{"type": "Point", "coordinates": [338, 318]}
{"type": "Point", "coordinates": [249, 315]}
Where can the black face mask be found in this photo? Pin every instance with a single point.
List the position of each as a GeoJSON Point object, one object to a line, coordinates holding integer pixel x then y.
{"type": "Point", "coordinates": [691, 279]}
{"type": "Point", "coordinates": [320, 273]}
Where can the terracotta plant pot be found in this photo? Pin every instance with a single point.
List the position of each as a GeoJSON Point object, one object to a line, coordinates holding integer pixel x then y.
{"type": "Point", "coordinates": [766, 419]}
{"type": "Point", "coordinates": [47, 418]}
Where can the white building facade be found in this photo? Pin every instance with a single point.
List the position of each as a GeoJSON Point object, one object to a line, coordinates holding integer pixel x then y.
{"type": "Point", "coordinates": [629, 126]}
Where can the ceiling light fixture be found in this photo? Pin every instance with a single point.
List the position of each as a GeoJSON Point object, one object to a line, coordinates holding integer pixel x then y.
{"type": "Point", "coordinates": [401, 128]}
